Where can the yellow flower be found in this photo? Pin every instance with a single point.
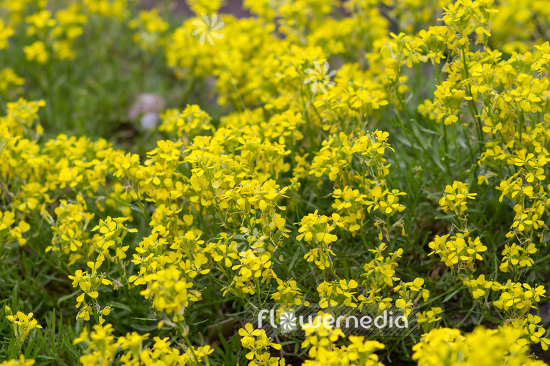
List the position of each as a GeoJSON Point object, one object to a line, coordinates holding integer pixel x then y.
{"type": "Point", "coordinates": [258, 343]}
{"type": "Point", "coordinates": [5, 33]}
{"type": "Point", "coordinates": [22, 324]}
{"type": "Point", "coordinates": [37, 52]}
{"type": "Point", "coordinates": [21, 361]}
{"type": "Point", "coordinates": [455, 197]}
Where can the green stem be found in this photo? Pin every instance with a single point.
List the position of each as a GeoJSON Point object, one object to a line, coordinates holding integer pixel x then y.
{"type": "Point", "coordinates": [521, 123]}
{"type": "Point", "coordinates": [410, 127]}
{"type": "Point", "coordinates": [186, 337]}
{"type": "Point", "coordinates": [437, 73]}
{"type": "Point", "coordinates": [468, 144]}
{"type": "Point", "coordinates": [473, 107]}
{"type": "Point", "coordinates": [258, 292]}
{"type": "Point", "coordinates": [446, 149]}
{"type": "Point", "coordinates": [466, 316]}
{"type": "Point", "coordinates": [457, 152]}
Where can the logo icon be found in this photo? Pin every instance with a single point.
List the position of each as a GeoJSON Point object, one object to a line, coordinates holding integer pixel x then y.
{"type": "Point", "coordinates": [320, 77]}
{"type": "Point", "coordinates": [208, 28]}
{"type": "Point", "coordinates": [287, 321]}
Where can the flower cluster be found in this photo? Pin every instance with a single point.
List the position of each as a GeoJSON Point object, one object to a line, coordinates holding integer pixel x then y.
{"type": "Point", "coordinates": [22, 324]}
{"type": "Point", "coordinates": [258, 343]}
{"type": "Point", "coordinates": [101, 348]}
{"type": "Point", "coordinates": [482, 346]}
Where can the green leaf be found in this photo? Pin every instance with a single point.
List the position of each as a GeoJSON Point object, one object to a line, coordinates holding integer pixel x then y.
{"type": "Point", "coordinates": [451, 295]}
